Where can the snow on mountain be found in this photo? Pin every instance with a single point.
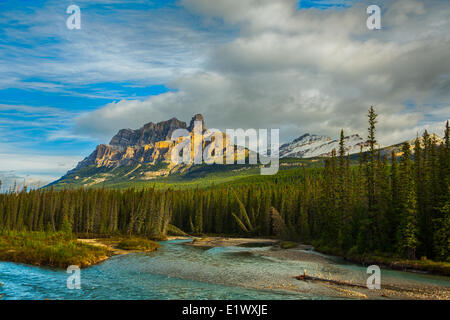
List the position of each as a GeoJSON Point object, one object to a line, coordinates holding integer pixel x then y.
{"type": "Point", "coordinates": [311, 145]}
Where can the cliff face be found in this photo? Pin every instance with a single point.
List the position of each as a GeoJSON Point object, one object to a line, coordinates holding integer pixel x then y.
{"type": "Point", "coordinates": [150, 144]}
{"type": "Point", "coordinates": [149, 134]}
{"type": "Point", "coordinates": [135, 156]}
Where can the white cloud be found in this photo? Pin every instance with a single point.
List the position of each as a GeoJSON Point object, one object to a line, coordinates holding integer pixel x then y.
{"type": "Point", "coordinates": [10, 179]}
{"type": "Point", "coordinates": [307, 71]}
{"type": "Point", "coordinates": [34, 163]}
{"type": "Point", "coordinates": [145, 46]}
{"type": "Point", "coordinates": [246, 63]}
{"type": "Point", "coordinates": [31, 169]}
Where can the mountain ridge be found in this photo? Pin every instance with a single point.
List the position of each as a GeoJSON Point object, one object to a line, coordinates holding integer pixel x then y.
{"type": "Point", "coordinates": [144, 154]}
{"type": "Point", "coordinates": [150, 144]}
{"type": "Point", "coordinates": [312, 145]}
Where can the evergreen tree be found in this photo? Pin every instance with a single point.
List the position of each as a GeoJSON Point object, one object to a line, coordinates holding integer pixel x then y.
{"type": "Point", "coordinates": [407, 236]}
{"type": "Point", "coordinates": [371, 162]}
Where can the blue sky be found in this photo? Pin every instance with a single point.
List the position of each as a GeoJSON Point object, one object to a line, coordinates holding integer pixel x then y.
{"type": "Point", "coordinates": [44, 85]}
{"type": "Point", "coordinates": [64, 91]}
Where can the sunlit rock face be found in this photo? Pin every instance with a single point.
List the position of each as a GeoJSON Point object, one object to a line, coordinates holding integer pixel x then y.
{"type": "Point", "coordinates": [149, 134]}
{"type": "Point", "coordinates": [146, 153]}
{"type": "Point", "coordinates": [150, 144]}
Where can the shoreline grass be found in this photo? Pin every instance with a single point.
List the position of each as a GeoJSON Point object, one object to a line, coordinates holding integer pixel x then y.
{"type": "Point", "coordinates": [131, 243]}
{"type": "Point", "coordinates": [424, 265]}
{"type": "Point", "coordinates": [60, 250]}
{"type": "Point", "coordinates": [392, 262]}
{"type": "Point", "coordinates": [288, 244]}
{"type": "Point", "coordinates": [57, 249]}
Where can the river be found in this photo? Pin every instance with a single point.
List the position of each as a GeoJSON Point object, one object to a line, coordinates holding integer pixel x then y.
{"type": "Point", "coordinates": [179, 271]}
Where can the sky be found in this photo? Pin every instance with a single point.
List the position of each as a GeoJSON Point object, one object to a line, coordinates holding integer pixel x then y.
{"type": "Point", "coordinates": [300, 66]}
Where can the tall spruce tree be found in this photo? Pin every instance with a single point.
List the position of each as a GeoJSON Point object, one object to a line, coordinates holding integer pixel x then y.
{"type": "Point", "coordinates": [407, 234]}
{"type": "Point", "coordinates": [372, 158]}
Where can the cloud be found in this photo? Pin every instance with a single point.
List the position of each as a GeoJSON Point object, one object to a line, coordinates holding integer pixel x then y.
{"type": "Point", "coordinates": [119, 41]}
{"type": "Point", "coordinates": [32, 169]}
{"type": "Point", "coordinates": [241, 63]}
{"type": "Point", "coordinates": [23, 132]}
{"type": "Point", "coordinates": [40, 163]}
{"type": "Point", "coordinates": [28, 126]}
{"type": "Point", "coordinates": [307, 71]}
{"type": "Point", "coordinates": [9, 179]}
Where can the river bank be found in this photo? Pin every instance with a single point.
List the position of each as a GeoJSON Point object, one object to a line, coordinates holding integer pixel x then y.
{"type": "Point", "coordinates": [54, 249]}
{"type": "Point", "coordinates": [122, 245]}
{"type": "Point", "coordinates": [212, 242]}
{"type": "Point", "coordinates": [424, 265]}
{"type": "Point", "coordinates": [343, 284]}
{"type": "Point", "coordinates": [247, 270]}
{"type": "Point", "coordinates": [60, 250]}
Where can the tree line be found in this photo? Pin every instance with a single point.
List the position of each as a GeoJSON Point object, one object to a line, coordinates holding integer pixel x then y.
{"type": "Point", "coordinates": [398, 205]}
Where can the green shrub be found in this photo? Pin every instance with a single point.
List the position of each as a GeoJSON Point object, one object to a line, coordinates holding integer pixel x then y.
{"type": "Point", "coordinates": [172, 230]}
{"type": "Point", "coordinates": [140, 244]}
{"type": "Point", "coordinates": [50, 249]}
{"type": "Point", "coordinates": [288, 244]}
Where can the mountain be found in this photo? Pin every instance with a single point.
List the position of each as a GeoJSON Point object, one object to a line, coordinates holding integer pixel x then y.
{"type": "Point", "coordinates": [150, 144]}
{"type": "Point", "coordinates": [140, 155]}
{"type": "Point", "coordinates": [397, 148]}
{"type": "Point", "coordinates": [143, 156]}
{"type": "Point", "coordinates": [311, 145]}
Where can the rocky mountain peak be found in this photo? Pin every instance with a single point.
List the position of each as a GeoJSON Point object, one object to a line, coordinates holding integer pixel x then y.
{"type": "Point", "coordinates": [148, 134]}
{"type": "Point", "coordinates": [307, 137]}
{"type": "Point", "coordinates": [150, 144]}
{"type": "Point", "coordinates": [197, 117]}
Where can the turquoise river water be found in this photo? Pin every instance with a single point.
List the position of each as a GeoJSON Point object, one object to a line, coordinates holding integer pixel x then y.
{"type": "Point", "coordinates": [178, 271]}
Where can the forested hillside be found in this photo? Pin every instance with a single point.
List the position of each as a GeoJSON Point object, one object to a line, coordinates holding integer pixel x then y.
{"type": "Point", "coordinates": [399, 206]}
